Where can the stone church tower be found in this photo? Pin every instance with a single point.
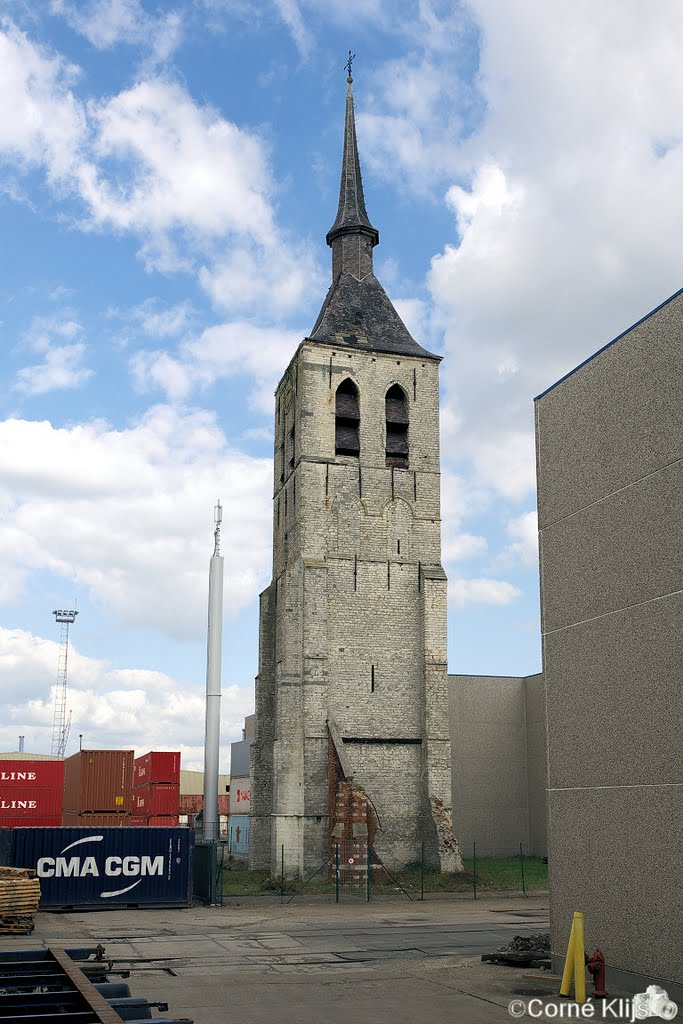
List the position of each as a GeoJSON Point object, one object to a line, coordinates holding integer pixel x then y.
{"type": "Point", "coordinates": [351, 695]}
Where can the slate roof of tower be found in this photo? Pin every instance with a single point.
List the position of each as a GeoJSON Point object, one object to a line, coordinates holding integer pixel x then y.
{"type": "Point", "coordinates": [358, 312]}
{"type": "Point", "coordinates": [351, 212]}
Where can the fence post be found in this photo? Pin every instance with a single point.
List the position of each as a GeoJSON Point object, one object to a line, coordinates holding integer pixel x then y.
{"type": "Point", "coordinates": [422, 871]}
{"type": "Point", "coordinates": [474, 878]}
{"type": "Point", "coordinates": [282, 873]}
{"type": "Point", "coordinates": [336, 873]}
{"type": "Point", "coordinates": [521, 861]}
{"type": "Point", "coordinates": [213, 867]}
{"type": "Point", "coordinates": [368, 868]}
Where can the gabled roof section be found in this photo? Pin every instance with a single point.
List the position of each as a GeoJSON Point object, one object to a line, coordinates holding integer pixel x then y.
{"type": "Point", "coordinates": [360, 314]}
{"type": "Point", "coordinates": [351, 213]}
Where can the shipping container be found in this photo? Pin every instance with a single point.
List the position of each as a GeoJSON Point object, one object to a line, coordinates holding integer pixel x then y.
{"type": "Point", "coordinates": [158, 799]}
{"type": "Point", "coordinates": [54, 822]}
{"type": "Point", "coordinates": [157, 766]}
{"type": "Point", "coordinates": [30, 801]}
{"type": "Point", "coordinates": [155, 821]}
{"type": "Point", "coordinates": [105, 867]}
{"type": "Point", "coordinates": [191, 803]}
{"type": "Point", "coordinates": [238, 833]}
{"type": "Point", "coordinates": [224, 803]}
{"type": "Point", "coordinates": [36, 774]}
{"type": "Point", "coordinates": [98, 780]}
{"type": "Point", "coordinates": [88, 819]}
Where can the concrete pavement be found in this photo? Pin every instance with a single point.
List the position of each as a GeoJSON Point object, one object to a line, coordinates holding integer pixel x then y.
{"type": "Point", "coordinates": [386, 962]}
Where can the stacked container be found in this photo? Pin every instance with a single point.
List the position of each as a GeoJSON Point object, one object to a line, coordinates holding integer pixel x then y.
{"type": "Point", "coordinates": [98, 788]}
{"type": "Point", "coordinates": [31, 793]}
{"type": "Point", "coordinates": [156, 788]}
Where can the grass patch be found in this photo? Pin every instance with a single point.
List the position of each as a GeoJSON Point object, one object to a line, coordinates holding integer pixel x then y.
{"type": "Point", "coordinates": [493, 873]}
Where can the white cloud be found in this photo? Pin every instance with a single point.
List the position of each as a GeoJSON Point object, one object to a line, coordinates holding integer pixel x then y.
{"type": "Point", "coordinates": [106, 23]}
{"type": "Point", "coordinates": [112, 707]}
{"type": "Point", "coordinates": [196, 189]}
{"type": "Point", "coordinates": [523, 534]}
{"type": "Point", "coordinates": [218, 353]}
{"type": "Point", "coordinates": [134, 507]}
{"type": "Point", "coordinates": [462, 592]}
{"type": "Point", "coordinates": [61, 369]}
{"type": "Point", "coordinates": [42, 122]}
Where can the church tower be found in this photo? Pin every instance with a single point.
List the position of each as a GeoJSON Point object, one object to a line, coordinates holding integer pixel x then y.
{"type": "Point", "coordinates": [351, 693]}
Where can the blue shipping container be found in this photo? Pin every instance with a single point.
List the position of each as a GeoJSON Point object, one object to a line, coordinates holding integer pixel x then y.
{"type": "Point", "coordinates": [104, 867]}
{"type": "Point", "coordinates": [238, 833]}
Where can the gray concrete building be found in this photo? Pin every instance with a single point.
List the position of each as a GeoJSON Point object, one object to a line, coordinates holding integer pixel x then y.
{"type": "Point", "coordinates": [351, 692]}
{"type": "Point", "coordinates": [497, 730]}
{"type": "Point", "coordinates": [610, 502]}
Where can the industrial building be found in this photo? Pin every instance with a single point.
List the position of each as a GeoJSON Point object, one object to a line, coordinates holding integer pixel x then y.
{"type": "Point", "coordinates": [609, 440]}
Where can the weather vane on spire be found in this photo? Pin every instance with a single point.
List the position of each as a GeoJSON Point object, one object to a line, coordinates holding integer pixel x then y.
{"type": "Point", "coordinates": [347, 66]}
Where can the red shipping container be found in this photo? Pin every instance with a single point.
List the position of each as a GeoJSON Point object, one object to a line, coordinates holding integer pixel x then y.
{"type": "Point", "coordinates": [224, 803]}
{"type": "Point", "coordinates": [159, 799]}
{"type": "Point", "coordinates": [37, 774]}
{"type": "Point", "coordinates": [190, 803]}
{"type": "Point", "coordinates": [163, 821]}
{"type": "Point", "coordinates": [30, 802]}
{"type": "Point", "coordinates": [31, 822]}
{"type": "Point", "coordinates": [98, 780]}
{"type": "Point", "coordinates": [157, 766]}
{"type": "Point", "coordinates": [137, 821]}
{"type": "Point", "coordinates": [71, 819]}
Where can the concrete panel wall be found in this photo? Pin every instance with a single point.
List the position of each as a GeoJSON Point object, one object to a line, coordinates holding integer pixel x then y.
{"type": "Point", "coordinates": [498, 763]}
{"type": "Point", "coordinates": [610, 501]}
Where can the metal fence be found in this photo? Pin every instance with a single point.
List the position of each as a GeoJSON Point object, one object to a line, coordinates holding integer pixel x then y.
{"type": "Point", "coordinates": [357, 871]}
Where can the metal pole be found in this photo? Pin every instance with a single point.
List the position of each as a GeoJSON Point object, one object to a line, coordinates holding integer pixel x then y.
{"type": "Point", "coordinates": [368, 868]}
{"type": "Point", "coordinates": [336, 873]}
{"type": "Point", "coordinates": [521, 861]}
{"type": "Point", "coordinates": [422, 871]}
{"type": "Point", "coordinates": [213, 687]}
{"type": "Point", "coordinates": [213, 865]}
{"type": "Point", "coordinates": [474, 855]}
{"type": "Point", "coordinates": [282, 873]}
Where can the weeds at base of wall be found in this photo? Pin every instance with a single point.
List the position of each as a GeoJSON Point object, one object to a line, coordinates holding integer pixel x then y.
{"type": "Point", "coordinates": [412, 881]}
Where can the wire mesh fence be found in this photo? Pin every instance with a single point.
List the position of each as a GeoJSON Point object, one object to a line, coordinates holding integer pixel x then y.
{"type": "Point", "coordinates": [354, 870]}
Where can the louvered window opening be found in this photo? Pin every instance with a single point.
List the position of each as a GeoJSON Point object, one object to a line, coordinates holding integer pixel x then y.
{"type": "Point", "coordinates": [347, 420]}
{"type": "Point", "coordinates": [397, 428]}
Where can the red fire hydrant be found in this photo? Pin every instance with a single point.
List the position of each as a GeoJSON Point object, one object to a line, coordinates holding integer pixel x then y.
{"type": "Point", "coordinates": [596, 967]}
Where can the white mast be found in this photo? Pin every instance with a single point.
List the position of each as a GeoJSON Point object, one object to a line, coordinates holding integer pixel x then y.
{"type": "Point", "coordinates": [213, 683]}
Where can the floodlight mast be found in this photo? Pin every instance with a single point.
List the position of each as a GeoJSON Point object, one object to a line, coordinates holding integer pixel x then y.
{"type": "Point", "coordinates": [60, 728]}
{"type": "Point", "coordinates": [212, 736]}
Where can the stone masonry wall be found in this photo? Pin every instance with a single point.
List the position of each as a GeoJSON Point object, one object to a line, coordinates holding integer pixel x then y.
{"type": "Point", "coordinates": [358, 629]}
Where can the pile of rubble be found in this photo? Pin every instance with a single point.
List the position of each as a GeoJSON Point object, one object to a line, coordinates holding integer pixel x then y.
{"type": "Point", "coordinates": [526, 950]}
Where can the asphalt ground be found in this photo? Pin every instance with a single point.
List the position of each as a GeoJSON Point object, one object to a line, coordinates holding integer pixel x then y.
{"type": "Point", "coordinates": [383, 962]}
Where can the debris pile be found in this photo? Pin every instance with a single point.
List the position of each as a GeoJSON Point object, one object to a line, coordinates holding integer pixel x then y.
{"type": "Point", "coordinates": [19, 896]}
{"type": "Point", "coordinates": [527, 950]}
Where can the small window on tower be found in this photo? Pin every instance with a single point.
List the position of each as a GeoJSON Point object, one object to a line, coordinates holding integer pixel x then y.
{"type": "Point", "coordinates": [347, 420]}
{"type": "Point", "coordinates": [397, 427]}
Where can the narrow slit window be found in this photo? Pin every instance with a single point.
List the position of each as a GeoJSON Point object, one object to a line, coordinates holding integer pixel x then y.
{"type": "Point", "coordinates": [292, 442]}
{"type": "Point", "coordinates": [347, 420]}
{"type": "Point", "coordinates": [396, 408]}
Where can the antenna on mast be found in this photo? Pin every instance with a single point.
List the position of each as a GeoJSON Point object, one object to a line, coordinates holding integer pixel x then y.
{"type": "Point", "coordinates": [60, 725]}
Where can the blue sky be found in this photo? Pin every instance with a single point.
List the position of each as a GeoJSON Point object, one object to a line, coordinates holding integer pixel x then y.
{"type": "Point", "coordinates": [167, 176]}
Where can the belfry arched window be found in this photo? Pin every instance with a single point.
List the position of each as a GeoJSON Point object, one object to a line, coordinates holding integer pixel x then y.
{"type": "Point", "coordinates": [347, 419]}
{"type": "Point", "coordinates": [396, 405]}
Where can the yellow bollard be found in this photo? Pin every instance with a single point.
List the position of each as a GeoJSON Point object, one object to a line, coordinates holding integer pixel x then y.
{"type": "Point", "coordinates": [568, 972]}
{"type": "Point", "coordinates": [579, 959]}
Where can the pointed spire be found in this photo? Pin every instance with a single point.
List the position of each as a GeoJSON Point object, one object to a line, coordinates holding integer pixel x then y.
{"type": "Point", "coordinates": [352, 217]}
